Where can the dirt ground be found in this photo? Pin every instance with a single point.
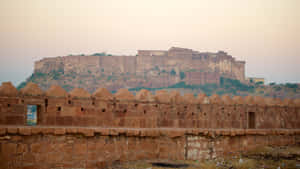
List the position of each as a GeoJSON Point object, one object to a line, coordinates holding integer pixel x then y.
{"type": "Point", "coordinates": [260, 158]}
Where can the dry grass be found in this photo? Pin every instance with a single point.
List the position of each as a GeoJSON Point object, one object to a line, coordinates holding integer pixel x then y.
{"type": "Point", "coordinates": [208, 165]}
{"type": "Point", "coordinates": [291, 150]}
{"type": "Point", "coordinates": [261, 157]}
{"type": "Point", "coordinates": [246, 164]}
{"type": "Point", "coordinates": [262, 151]}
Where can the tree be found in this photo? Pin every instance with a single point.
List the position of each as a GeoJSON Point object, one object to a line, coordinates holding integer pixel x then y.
{"type": "Point", "coordinates": [99, 54]}
{"type": "Point", "coordinates": [182, 75]}
{"type": "Point", "coordinates": [173, 73]}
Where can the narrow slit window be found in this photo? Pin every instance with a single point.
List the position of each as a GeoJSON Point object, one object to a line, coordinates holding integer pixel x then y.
{"type": "Point", "coordinates": [251, 120]}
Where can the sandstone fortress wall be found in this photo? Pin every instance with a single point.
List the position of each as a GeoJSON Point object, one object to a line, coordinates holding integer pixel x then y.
{"type": "Point", "coordinates": [150, 68]}
{"type": "Point", "coordinates": [162, 110]}
{"type": "Point", "coordinates": [96, 148]}
{"type": "Point", "coordinates": [83, 130]}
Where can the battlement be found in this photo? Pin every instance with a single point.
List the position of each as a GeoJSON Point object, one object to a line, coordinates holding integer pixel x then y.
{"type": "Point", "coordinates": [144, 110]}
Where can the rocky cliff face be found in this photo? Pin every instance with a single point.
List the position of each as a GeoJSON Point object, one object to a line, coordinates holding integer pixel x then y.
{"type": "Point", "coordinates": [150, 68]}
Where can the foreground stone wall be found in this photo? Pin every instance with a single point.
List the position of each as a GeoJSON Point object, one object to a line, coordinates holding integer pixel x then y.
{"type": "Point", "coordinates": [123, 127]}
{"type": "Point", "coordinates": [77, 147]}
{"type": "Point", "coordinates": [79, 108]}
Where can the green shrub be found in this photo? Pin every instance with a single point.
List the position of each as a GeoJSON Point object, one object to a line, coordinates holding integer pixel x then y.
{"type": "Point", "coordinates": [291, 85]}
{"type": "Point", "coordinates": [99, 54]}
{"type": "Point", "coordinates": [259, 83]}
{"type": "Point", "coordinates": [182, 75]}
{"type": "Point", "coordinates": [109, 78]}
{"type": "Point", "coordinates": [173, 73]}
{"type": "Point", "coordinates": [21, 85]}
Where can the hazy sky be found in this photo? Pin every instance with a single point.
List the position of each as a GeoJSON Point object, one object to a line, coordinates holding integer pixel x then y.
{"type": "Point", "coordinates": [264, 33]}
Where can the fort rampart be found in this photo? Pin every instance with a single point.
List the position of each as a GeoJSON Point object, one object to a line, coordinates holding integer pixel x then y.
{"type": "Point", "coordinates": [80, 130]}
{"type": "Point", "coordinates": [123, 109]}
{"type": "Point", "coordinates": [79, 147]}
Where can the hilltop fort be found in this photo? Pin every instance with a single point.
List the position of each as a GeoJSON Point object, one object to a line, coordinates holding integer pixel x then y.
{"type": "Point", "coordinates": [149, 68]}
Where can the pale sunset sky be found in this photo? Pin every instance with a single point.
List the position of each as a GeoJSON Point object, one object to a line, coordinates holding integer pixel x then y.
{"type": "Point", "coordinates": [264, 33]}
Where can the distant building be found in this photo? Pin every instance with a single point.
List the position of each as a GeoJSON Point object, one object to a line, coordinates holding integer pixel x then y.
{"type": "Point", "coordinates": [256, 80]}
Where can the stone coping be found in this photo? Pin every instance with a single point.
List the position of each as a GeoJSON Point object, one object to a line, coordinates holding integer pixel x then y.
{"type": "Point", "coordinates": [139, 132]}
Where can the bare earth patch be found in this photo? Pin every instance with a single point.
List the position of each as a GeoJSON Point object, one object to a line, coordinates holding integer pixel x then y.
{"type": "Point", "coordinates": [262, 157]}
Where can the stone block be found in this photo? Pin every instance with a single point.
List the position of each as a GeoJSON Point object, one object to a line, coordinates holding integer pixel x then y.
{"type": "Point", "coordinates": [60, 131]}
{"type": "Point", "coordinates": [2, 131]}
{"type": "Point", "coordinates": [9, 148]}
{"type": "Point", "coordinates": [36, 130]}
{"type": "Point", "coordinates": [36, 148]}
{"type": "Point", "coordinates": [175, 133]}
{"type": "Point", "coordinates": [12, 130]}
{"type": "Point", "coordinates": [132, 132]}
{"type": "Point", "coordinates": [24, 131]}
{"type": "Point", "coordinates": [86, 132]}
{"type": "Point", "coordinates": [113, 132]}
{"type": "Point", "coordinates": [71, 130]}
{"type": "Point", "coordinates": [48, 130]}
{"type": "Point", "coordinates": [101, 164]}
{"type": "Point", "coordinates": [22, 148]}
{"type": "Point", "coordinates": [80, 149]}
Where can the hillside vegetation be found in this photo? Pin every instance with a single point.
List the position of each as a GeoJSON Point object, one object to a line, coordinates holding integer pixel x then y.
{"type": "Point", "coordinates": [226, 86]}
{"type": "Point", "coordinates": [235, 87]}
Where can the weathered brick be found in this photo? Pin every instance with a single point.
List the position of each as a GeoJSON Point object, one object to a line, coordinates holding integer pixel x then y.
{"type": "Point", "coordinates": [9, 148]}
{"type": "Point", "coordinates": [30, 166]}
{"type": "Point", "coordinates": [71, 130]}
{"type": "Point", "coordinates": [86, 132]}
{"type": "Point", "coordinates": [102, 131]}
{"type": "Point", "coordinates": [113, 132]}
{"type": "Point", "coordinates": [132, 132]}
{"type": "Point", "coordinates": [232, 133]}
{"type": "Point", "coordinates": [175, 133]}
{"type": "Point", "coordinates": [150, 133]}
{"type": "Point", "coordinates": [101, 164]}
{"type": "Point", "coordinates": [36, 148]}
{"type": "Point", "coordinates": [48, 130]}
{"type": "Point", "coordinates": [60, 131]}
{"type": "Point", "coordinates": [2, 131]}
{"type": "Point", "coordinates": [21, 148]}
{"type": "Point", "coordinates": [80, 148]}
{"type": "Point", "coordinates": [25, 131]}
{"type": "Point", "coordinates": [16, 138]}
{"type": "Point", "coordinates": [55, 157]}
{"type": "Point", "coordinates": [36, 130]}
{"type": "Point", "coordinates": [12, 130]}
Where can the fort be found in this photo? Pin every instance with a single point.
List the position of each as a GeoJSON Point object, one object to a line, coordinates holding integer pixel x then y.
{"type": "Point", "coordinates": [83, 130]}
{"type": "Point", "coordinates": [149, 68]}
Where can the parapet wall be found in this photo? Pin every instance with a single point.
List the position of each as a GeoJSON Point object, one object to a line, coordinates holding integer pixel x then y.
{"type": "Point", "coordinates": [91, 148]}
{"type": "Point", "coordinates": [56, 107]}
